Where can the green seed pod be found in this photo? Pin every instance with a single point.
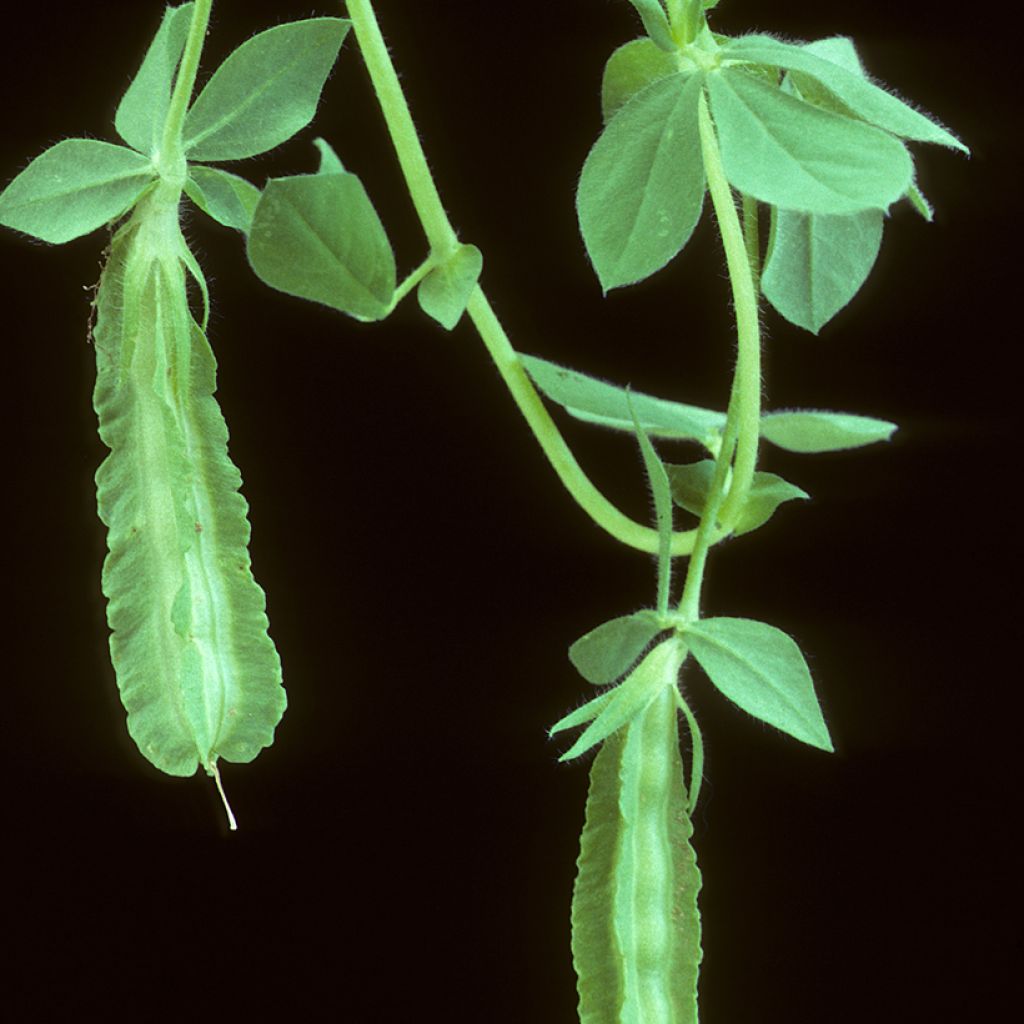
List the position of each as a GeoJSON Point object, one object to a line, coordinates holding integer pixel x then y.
{"type": "Point", "coordinates": [636, 928]}
{"type": "Point", "coordinates": [198, 674]}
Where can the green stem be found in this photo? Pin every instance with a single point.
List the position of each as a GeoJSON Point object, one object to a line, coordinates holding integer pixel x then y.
{"type": "Point", "coordinates": [172, 155]}
{"type": "Point", "coordinates": [442, 238]}
{"type": "Point", "coordinates": [516, 379]}
{"type": "Point", "coordinates": [743, 423]}
{"type": "Point", "coordinates": [404, 136]}
{"type": "Point", "coordinates": [752, 239]}
{"type": "Point", "coordinates": [411, 281]}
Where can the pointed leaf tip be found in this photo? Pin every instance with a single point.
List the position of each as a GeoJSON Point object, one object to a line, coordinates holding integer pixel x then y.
{"type": "Point", "coordinates": [762, 670]}
{"type": "Point", "coordinates": [641, 191]}
{"type": "Point", "coordinates": [265, 91]}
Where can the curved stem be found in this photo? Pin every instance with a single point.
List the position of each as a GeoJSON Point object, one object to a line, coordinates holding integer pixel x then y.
{"type": "Point", "coordinates": [184, 83]}
{"type": "Point", "coordinates": [562, 460]}
{"type": "Point", "coordinates": [743, 423]}
{"type": "Point", "coordinates": [442, 237]}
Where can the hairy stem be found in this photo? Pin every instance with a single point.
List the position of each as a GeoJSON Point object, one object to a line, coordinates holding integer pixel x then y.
{"type": "Point", "coordinates": [172, 155]}
{"type": "Point", "coordinates": [743, 425]}
{"type": "Point", "coordinates": [752, 238]}
{"type": "Point", "coordinates": [442, 238]}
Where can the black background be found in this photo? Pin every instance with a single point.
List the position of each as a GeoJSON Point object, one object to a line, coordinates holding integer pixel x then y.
{"type": "Point", "coordinates": [407, 845]}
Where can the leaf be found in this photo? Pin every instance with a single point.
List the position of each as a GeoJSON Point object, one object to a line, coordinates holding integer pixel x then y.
{"type": "Point", "coordinates": [635, 922]}
{"type": "Point", "coordinates": [73, 188]}
{"type": "Point", "coordinates": [330, 163]}
{"type": "Point", "coordinates": [657, 671]}
{"type": "Point", "coordinates": [783, 151]}
{"type": "Point", "coordinates": [227, 198]}
{"type": "Point", "coordinates": [596, 401]}
{"type": "Point", "coordinates": [444, 292]}
{"type": "Point", "coordinates": [318, 236]}
{"type": "Point", "coordinates": [818, 262]}
{"type": "Point", "coordinates": [918, 201]}
{"type": "Point", "coordinates": [143, 109]}
{"type": "Point", "coordinates": [652, 14]}
{"type": "Point", "coordinates": [584, 713]}
{"type": "Point", "coordinates": [265, 91]}
{"type": "Point", "coordinates": [761, 669]}
{"type": "Point", "coordinates": [631, 68]}
{"type": "Point", "coordinates": [861, 96]}
{"type": "Point", "coordinates": [812, 430]}
{"type": "Point", "coordinates": [198, 674]}
{"type": "Point", "coordinates": [767, 492]}
{"type": "Point", "coordinates": [692, 482]}
{"type": "Point", "coordinates": [608, 651]}
{"type": "Point", "coordinates": [642, 188]}
{"type": "Point", "coordinates": [839, 50]}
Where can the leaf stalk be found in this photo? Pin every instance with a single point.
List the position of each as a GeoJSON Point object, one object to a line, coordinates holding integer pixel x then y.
{"type": "Point", "coordinates": [172, 156]}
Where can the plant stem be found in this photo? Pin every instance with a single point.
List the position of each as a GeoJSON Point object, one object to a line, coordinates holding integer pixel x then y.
{"type": "Point", "coordinates": [743, 423]}
{"type": "Point", "coordinates": [442, 238]}
{"type": "Point", "coordinates": [406, 140]}
{"type": "Point", "coordinates": [172, 155]}
{"type": "Point", "coordinates": [752, 238]}
{"type": "Point", "coordinates": [597, 506]}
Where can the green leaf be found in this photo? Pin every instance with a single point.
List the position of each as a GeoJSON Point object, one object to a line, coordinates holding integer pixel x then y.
{"type": "Point", "coordinates": [264, 92]}
{"type": "Point", "coordinates": [657, 671]}
{"type": "Point", "coordinates": [318, 236]}
{"type": "Point", "coordinates": [596, 401]}
{"type": "Point", "coordinates": [330, 162]}
{"type": "Point", "coordinates": [142, 111]}
{"type": "Point", "coordinates": [652, 14]}
{"type": "Point", "coordinates": [227, 198]}
{"type": "Point", "coordinates": [635, 923]}
{"type": "Point", "coordinates": [584, 713]}
{"type": "Point", "coordinates": [691, 484]}
{"type": "Point", "coordinates": [838, 50]}
{"type": "Point", "coordinates": [767, 492]}
{"type": "Point", "coordinates": [608, 651]}
{"type": "Point", "coordinates": [812, 430]}
{"type": "Point", "coordinates": [631, 68]}
{"type": "Point", "coordinates": [761, 669]}
{"type": "Point", "coordinates": [786, 152]}
{"type": "Point", "coordinates": [642, 188]}
{"type": "Point", "coordinates": [918, 201]}
{"type": "Point", "coordinates": [73, 188]}
{"type": "Point", "coordinates": [444, 292]}
{"type": "Point", "coordinates": [859, 95]}
{"type": "Point", "coordinates": [817, 263]}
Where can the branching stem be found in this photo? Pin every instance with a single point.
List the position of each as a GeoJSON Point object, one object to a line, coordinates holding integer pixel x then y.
{"type": "Point", "coordinates": [442, 238]}
{"type": "Point", "coordinates": [743, 425]}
